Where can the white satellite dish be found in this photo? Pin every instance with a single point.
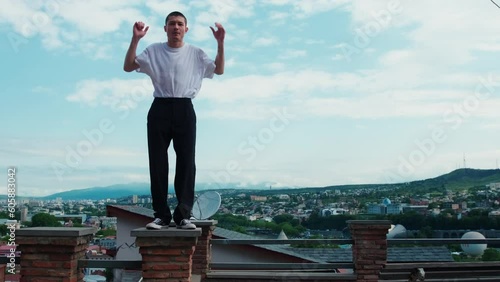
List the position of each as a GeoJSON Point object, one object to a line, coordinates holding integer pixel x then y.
{"type": "Point", "coordinates": [396, 231]}
{"type": "Point", "coordinates": [206, 205]}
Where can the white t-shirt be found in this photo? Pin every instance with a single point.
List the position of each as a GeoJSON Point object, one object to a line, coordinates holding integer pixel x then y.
{"type": "Point", "coordinates": [175, 72]}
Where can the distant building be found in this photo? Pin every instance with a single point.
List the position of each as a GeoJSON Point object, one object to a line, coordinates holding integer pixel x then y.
{"type": "Point", "coordinates": [387, 207]}
{"type": "Point", "coordinates": [36, 203]}
{"type": "Point", "coordinates": [419, 209]}
{"type": "Point", "coordinates": [494, 213]}
{"type": "Point", "coordinates": [376, 209]}
{"type": "Point", "coordinates": [333, 211]}
{"type": "Point", "coordinates": [284, 197]}
{"type": "Point", "coordinates": [24, 214]}
{"type": "Point", "coordinates": [450, 205]}
{"type": "Point", "coordinates": [419, 202]}
{"type": "Point", "coordinates": [108, 222]}
{"type": "Point", "coordinates": [494, 186]}
{"type": "Point", "coordinates": [108, 243]}
{"type": "Point", "coordinates": [258, 198]}
{"type": "Point", "coordinates": [394, 209]}
{"type": "Point", "coordinates": [79, 218]}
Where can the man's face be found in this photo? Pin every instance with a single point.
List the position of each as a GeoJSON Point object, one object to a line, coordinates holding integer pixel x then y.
{"type": "Point", "coordinates": [175, 28]}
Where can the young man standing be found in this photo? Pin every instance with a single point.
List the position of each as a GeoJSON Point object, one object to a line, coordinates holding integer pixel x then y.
{"type": "Point", "coordinates": [176, 69]}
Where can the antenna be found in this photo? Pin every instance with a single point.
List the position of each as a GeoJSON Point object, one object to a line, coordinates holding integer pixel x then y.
{"type": "Point", "coordinates": [206, 205]}
{"type": "Point", "coordinates": [465, 164]}
{"type": "Point", "coordinates": [495, 3]}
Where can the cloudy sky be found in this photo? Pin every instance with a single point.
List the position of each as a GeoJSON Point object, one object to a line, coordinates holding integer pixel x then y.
{"type": "Point", "coordinates": [315, 93]}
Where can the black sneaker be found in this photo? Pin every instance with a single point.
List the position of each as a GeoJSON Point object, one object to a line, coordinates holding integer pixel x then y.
{"type": "Point", "coordinates": [157, 224]}
{"type": "Point", "coordinates": [186, 224]}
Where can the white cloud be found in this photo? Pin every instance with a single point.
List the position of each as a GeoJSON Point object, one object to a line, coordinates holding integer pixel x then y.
{"type": "Point", "coordinates": [338, 57]}
{"type": "Point", "coordinates": [229, 63]}
{"type": "Point", "coordinates": [163, 8]}
{"type": "Point", "coordinates": [116, 93]}
{"type": "Point", "coordinates": [278, 16]}
{"type": "Point", "coordinates": [265, 41]}
{"type": "Point", "coordinates": [267, 87]}
{"type": "Point", "coordinates": [276, 67]}
{"type": "Point", "coordinates": [107, 16]}
{"type": "Point", "coordinates": [436, 39]}
{"type": "Point", "coordinates": [304, 9]}
{"type": "Point", "coordinates": [353, 95]}
{"type": "Point", "coordinates": [290, 54]}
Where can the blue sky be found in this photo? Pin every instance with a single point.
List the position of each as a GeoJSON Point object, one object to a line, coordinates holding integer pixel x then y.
{"type": "Point", "coordinates": [315, 93]}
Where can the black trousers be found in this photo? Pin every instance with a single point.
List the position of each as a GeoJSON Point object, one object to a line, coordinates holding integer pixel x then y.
{"type": "Point", "coordinates": [172, 119]}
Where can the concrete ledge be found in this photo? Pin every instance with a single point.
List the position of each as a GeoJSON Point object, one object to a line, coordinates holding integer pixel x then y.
{"type": "Point", "coordinates": [55, 231]}
{"type": "Point", "coordinates": [165, 232]}
{"type": "Point", "coordinates": [204, 223]}
{"type": "Point", "coordinates": [270, 275]}
{"type": "Point", "coordinates": [369, 222]}
{"type": "Point", "coordinates": [198, 223]}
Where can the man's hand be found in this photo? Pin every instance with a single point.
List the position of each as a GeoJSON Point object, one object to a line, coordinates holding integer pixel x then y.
{"type": "Point", "coordinates": [220, 33]}
{"type": "Point", "coordinates": [140, 30]}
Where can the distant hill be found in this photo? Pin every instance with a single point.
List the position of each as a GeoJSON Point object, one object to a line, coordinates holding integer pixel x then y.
{"type": "Point", "coordinates": [461, 179]}
{"type": "Point", "coordinates": [455, 180]}
{"type": "Point", "coordinates": [100, 193]}
{"type": "Point", "coordinates": [125, 190]}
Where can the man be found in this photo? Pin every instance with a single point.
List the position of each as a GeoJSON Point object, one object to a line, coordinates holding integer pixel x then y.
{"type": "Point", "coordinates": [176, 69]}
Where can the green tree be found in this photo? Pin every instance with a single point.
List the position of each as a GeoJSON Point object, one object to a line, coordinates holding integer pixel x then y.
{"type": "Point", "coordinates": [491, 255]}
{"type": "Point", "coordinates": [282, 218]}
{"type": "Point", "coordinates": [6, 214]}
{"type": "Point", "coordinates": [240, 229]}
{"type": "Point", "coordinates": [425, 232]}
{"type": "Point", "coordinates": [109, 274]}
{"type": "Point", "coordinates": [3, 230]}
{"type": "Point", "coordinates": [106, 232]}
{"type": "Point", "coordinates": [433, 205]}
{"type": "Point", "coordinates": [45, 219]}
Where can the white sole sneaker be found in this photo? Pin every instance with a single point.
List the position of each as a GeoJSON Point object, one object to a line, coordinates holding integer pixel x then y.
{"type": "Point", "coordinates": [156, 225]}
{"type": "Point", "coordinates": [186, 224]}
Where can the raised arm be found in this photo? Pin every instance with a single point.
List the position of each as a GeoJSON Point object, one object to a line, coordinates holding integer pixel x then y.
{"type": "Point", "coordinates": [139, 31]}
{"type": "Point", "coordinates": [219, 35]}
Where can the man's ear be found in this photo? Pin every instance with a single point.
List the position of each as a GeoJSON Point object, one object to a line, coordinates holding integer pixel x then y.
{"type": "Point", "coordinates": [165, 28]}
{"type": "Point", "coordinates": [187, 28]}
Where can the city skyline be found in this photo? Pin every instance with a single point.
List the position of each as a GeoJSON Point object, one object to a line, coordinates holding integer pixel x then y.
{"type": "Point", "coordinates": [315, 93]}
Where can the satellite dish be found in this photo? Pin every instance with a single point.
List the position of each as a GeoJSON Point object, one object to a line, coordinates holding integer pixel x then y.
{"type": "Point", "coordinates": [473, 249]}
{"type": "Point", "coordinates": [206, 205]}
{"type": "Point", "coordinates": [396, 231]}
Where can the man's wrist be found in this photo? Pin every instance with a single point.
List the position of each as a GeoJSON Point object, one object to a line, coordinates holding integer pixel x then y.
{"type": "Point", "coordinates": [135, 39]}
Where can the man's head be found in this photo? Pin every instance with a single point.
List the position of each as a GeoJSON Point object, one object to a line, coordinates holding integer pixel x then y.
{"type": "Point", "coordinates": [176, 14]}
{"type": "Point", "coordinates": [175, 27]}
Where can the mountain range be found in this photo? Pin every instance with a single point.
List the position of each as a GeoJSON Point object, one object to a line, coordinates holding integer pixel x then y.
{"type": "Point", "coordinates": [124, 190]}
{"type": "Point", "coordinates": [457, 179]}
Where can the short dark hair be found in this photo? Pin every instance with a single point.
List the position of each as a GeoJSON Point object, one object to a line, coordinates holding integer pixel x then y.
{"type": "Point", "coordinates": [176, 14]}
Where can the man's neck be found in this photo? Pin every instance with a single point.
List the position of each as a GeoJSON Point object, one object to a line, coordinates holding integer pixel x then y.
{"type": "Point", "coordinates": [175, 44]}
